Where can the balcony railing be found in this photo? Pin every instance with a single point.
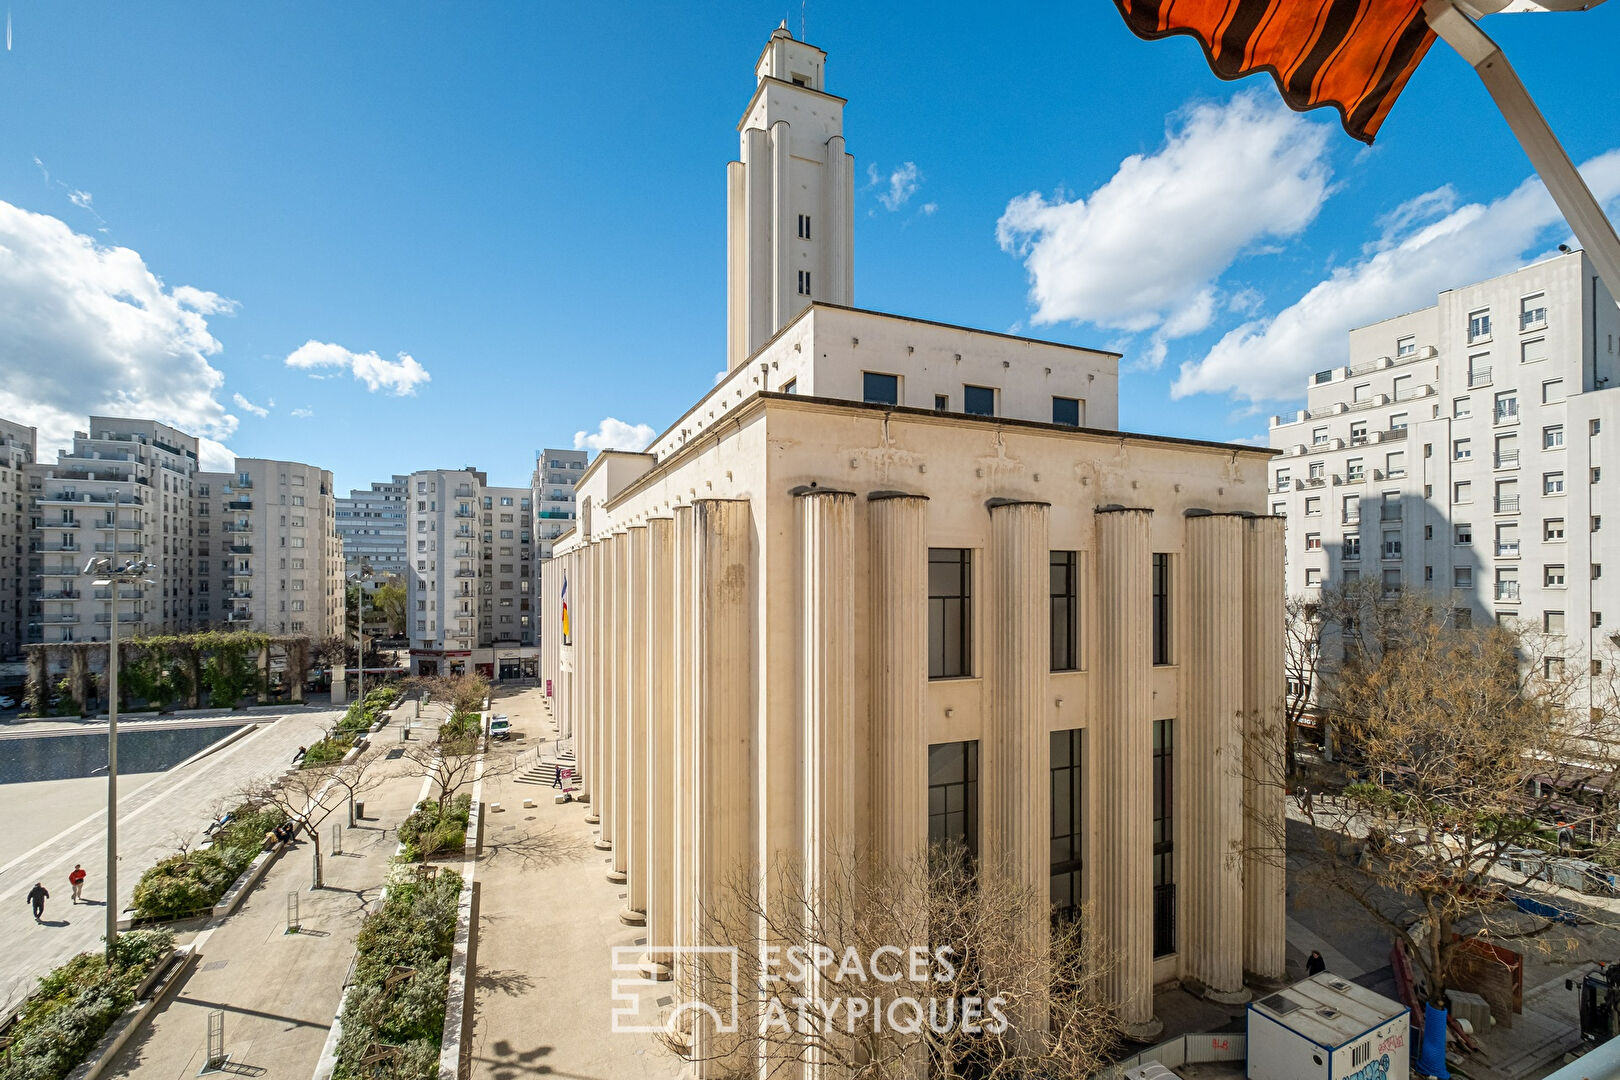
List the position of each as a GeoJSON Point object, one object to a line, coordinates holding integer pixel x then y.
{"type": "Point", "coordinates": [1481, 377]}
{"type": "Point", "coordinates": [1507, 504]}
{"type": "Point", "coordinates": [1507, 459]}
{"type": "Point", "coordinates": [61, 594]}
{"type": "Point", "coordinates": [1507, 413]}
{"type": "Point", "coordinates": [466, 573]}
{"type": "Point", "coordinates": [239, 504]}
{"type": "Point", "coordinates": [1508, 550]}
{"type": "Point", "coordinates": [123, 617]}
{"type": "Point", "coordinates": [1533, 317]}
{"type": "Point", "coordinates": [241, 549]}
{"type": "Point", "coordinates": [1507, 590]}
{"type": "Point", "coordinates": [239, 594]}
{"type": "Point", "coordinates": [63, 617]}
{"type": "Point", "coordinates": [464, 514]}
{"type": "Point", "coordinates": [54, 545]}
{"type": "Point", "coordinates": [120, 549]}
{"type": "Point", "coordinates": [126, 594]}
{"type": "Point", "coordinates": [62, 525]}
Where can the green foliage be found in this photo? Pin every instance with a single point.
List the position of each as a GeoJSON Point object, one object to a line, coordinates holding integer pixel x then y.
{"type": "Point", "coordinates": [361, 715]}
{"type": "Point", "coordinates": [462, 725]}
{"type": "Point", "coordinates": [75, 1004]}
{"type": "Point", "coordinates": [390, 599]}
{"type": "Point", "coordinates": [429, 831]}
{"type": "Point", "coordinates": [414, 930]}
{"type": "Point", "coordinates": [66, 705]}
{"type": "Point", "coordinates": [188, 882]}
{"type": "Point", "coordinates": [329, 751]}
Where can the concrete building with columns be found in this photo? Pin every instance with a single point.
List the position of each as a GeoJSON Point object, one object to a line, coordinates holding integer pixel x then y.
{"type": "Point", "coordinates": [894, 582]}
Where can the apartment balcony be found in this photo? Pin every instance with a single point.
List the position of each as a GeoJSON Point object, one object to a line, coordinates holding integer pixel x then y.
{"type": "Point", "coordinates": [233, 527]}
{"type": "Point", "coordinates": [238, 616]}
{"type": "Point", "coordinates": [1533, 320]}
{"type": "Point", "coordinates": [120, 549]}
{"type": "Point", "coordinates": [1508, 550]}
{"type": "Point", "coordinates": [1507, 459]}
{"type": "Point", "coordinates": [59, 618]}
{"type": "Point", "coordinates": [122, 526]}
{"type": "Point", "coordinates": [239, 594]}
{"type": "Point", "coordinates": [1388, 474]}
{"type": "Point", "coordinates": [1315, 481]}
{"type": "Point", "coordinates": [1482, 377]}
{"type": "Point", "coordinates": [55, 545]}
{"type": "Point", "coordinates": [1507, 504]}
{"type": "Point", "coordinates": [1350, 519]}
{"type": "Point", "coordinates": [464, 514]}
{"type": "Point", "coordinates": [1507, 590]}
{"type": "Point", "coordinates": [62, 525]}
{"type": "Point", "coordinates": [241, 549]}
{"type": "Point", "coordinates": [1508, 414]}
{"type": "Point", "coordinates": [464, 492]}
{"type": "Point", "coordinates": [124, 617]}
{"type": "Point", "coordinates": [1357, 477]}
{"type": "Point", "coordinates": [239, 504]}
{"type": "Point", "coordinates": [1413, 393]}
{"type": "Point", "coordinates": [126, 594]}
{"type": "Point", "coordinates": [466, 573]}
{"type": "Point", "coordinates": [79, 498]}
{"type": "Point", "coordinates": [61, 594]}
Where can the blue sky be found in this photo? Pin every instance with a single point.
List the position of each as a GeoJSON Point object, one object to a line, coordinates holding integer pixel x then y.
{"type": "Point", "coordinates": [527, 202]}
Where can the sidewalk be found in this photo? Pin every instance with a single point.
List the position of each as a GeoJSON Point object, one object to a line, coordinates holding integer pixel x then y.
{"type": "Point", "coordinates": [547, 921]}
{"type": "Point", "coordinates": [279, 991]}
{"type": "Point", "coordinates": [149, 817]}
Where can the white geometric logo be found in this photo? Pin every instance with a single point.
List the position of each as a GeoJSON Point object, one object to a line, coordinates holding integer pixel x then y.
{"type": "Point", "coordinates": [627, 1016]}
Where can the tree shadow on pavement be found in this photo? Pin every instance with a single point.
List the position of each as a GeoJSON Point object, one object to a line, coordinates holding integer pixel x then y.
{"type": "Point", "coordinates": [509, 1063]}
{"type": "Point", "coordinates": [538, 850]}
{"type": "Point", "coordinates": [513, 982]}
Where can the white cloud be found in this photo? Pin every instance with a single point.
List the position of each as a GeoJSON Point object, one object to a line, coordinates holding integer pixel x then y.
{"type": "Point", "coordinates": [399, 377]}
{"type": "Point", "coordinates": [302, 414]}
{"type": "Point", "coordinates": [248, 406]}
{"type": "Point", "coordinates": [1144, 251]}
{"type": "Point", "coordinates": [614, 434]}
{"type": "Point", "coordinates": [1416, 258]}
{"type": "Point", "coordinates": [898, 187]}
{"type": "Point", "coordinates": [215, 456]}
{"type": "Point", "coordinates": [91, 329]}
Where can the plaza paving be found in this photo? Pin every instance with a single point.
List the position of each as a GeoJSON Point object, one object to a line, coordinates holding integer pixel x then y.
{"type": "Point", "coordinates": [547, 922]}
{"type": "Point", "coordinates": [150, 818]}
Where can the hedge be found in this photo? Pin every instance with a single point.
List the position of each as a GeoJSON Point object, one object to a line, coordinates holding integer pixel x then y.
{"type": "Point", "coordinates": [191, 881]}
{"type": "Point", "coordinates": [366, 712]}
{"type": "Point", "coordinates": [461, 726]}
{"type": "Point", "coordinates": [74, 1005]}
{"type": "Point", "coordinates": [329, 751]}
{"type": "Point", "coordinates": [428, 831]}
{"type": "Point", "coordinates": [413, 931]}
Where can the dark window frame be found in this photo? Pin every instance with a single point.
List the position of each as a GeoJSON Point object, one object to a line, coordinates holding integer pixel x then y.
{"type": "Point", "coordinates": [1064, 610]}
{"type": "Point", "coordinates": [1068, 840]}
{"type": "Point", "coordinates": [1067, 404]}
{"type": "Point", "coordinates": [953, 795]}
{"type": "Point", "coordinates": [1164, 838]}
{"type": "Point", "coordinates": [972, 400]}
{"type": "Point", "coordinates": [893, 383]}
{"type": "Point", "coordinates": [1162, 567]}
{"type": "Point", "coordinates": [950, 601]}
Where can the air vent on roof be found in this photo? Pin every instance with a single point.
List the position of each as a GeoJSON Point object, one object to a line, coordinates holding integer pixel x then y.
{"type": "Point", "coordinates": [1327, 1012]}
{"type": "Point", "coordinates": [1339, 984]}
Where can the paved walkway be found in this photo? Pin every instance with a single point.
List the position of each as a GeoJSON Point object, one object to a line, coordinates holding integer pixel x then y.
{"type": "Point", "coordinates": [279, 991]}
{"type": "Point", "coordinates": [547, 921]}
{"type": "Point", "coordinates": [149, 820]}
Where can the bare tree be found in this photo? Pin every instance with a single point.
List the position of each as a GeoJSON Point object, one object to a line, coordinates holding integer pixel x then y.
{"type": "Point", "coordinates": [463, 693]}
{"type": "Point", "coordinates": [308, 797]}
{"type": "Point", "coordinates": [1486, 758]}
{"type": "Point", "coordinates": [452, 763]}
{"type": "Point", "coordinates": [876, 972]}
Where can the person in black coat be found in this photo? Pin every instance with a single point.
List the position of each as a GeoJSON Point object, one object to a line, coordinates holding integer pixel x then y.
{"type": "Point", "coordinates": [1314, 964]}
{"type": "Point", "coordinates": [37, 897]}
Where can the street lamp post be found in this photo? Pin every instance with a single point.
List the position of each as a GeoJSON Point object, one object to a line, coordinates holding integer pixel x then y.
{"type": "Point", "coordinates": [114, 574]}
{"type": "Point", "coordinates": [359, 629]}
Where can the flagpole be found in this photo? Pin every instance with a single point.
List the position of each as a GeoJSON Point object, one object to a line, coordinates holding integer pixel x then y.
{"type": "Point", "coordinates": [1564, 183]}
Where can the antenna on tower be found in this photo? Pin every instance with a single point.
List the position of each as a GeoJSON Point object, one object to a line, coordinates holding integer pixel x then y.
{"type": "Point", "coordinates": [802, 5]}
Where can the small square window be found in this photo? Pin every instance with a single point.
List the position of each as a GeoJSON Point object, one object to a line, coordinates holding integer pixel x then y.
{"type": "Point", "coordinates": [942, 403]}
{"type": "Point", "coordinates": [791, 386]}
{"type": "Point", "coordinates": [1553, 576]}
{"type": "Point", "coordinates": [1552, 529]}
{"type": "Point", "coordinates": [1597, 473]}
{"type": "Point", "coordinates": [1065, 410]}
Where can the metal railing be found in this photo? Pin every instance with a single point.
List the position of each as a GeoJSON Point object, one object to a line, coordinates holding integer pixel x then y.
{"type": "Point", "coordinates": [1507, 459]}
{"type": "Point", "coordinates": [1507, 504]}
{"type": "Point", "coordinates": [1481, 377]}
{"type": "Point", "coordinates": [1507, 590]}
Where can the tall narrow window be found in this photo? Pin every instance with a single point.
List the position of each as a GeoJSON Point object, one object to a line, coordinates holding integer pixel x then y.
{"type": "Point", "coordinates": [1065, 611]}
{"type": "Point", "coordinates": [950, 613]}
{"type": "Point", "coordinates": [1164, 838]}
{"type": "Point", "coordinates": [1068, 823]}
{"type": "Point", "coordinates": [953, 795]}
{"type": "Point", "coordinates": [1161, 608]}
{"type": "Point", "coordinates": [804, 226]}
{"type": "Point", "coordinates": [804, 283]}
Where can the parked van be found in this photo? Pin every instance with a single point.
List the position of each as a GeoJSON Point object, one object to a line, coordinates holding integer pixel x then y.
{"type": "Point", "coordinates": [499, 727]}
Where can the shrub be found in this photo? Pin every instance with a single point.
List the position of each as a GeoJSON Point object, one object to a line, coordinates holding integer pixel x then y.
{"type": "Point", "coordinates": [75, 1004]}
{"type": "Point", "coordinates": [415, 928]}
{"type": "Point", "coordinates": [428, 831]}
{"type": "Point", "coordinates": [461, 725]}
{"type": "Point", "coordinates": [188, 882]}
{"type": "Point", "coordinates": [329, 751]}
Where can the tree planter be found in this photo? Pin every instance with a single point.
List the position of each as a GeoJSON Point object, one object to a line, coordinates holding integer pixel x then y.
{"type": "Point", "coordinates": [168, 974]}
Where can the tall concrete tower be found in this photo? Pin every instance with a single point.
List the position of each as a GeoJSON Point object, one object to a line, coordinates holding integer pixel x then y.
{"type": "Point", "coordinates": [789, 227]}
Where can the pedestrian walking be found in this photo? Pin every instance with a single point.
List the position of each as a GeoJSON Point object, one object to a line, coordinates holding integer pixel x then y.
{"type": "Point", "coordinates": [1314, 964]}
{"type": "Point", "coordinates": [1304, 798]}
{"type": "Point", "coordinates": [76, 879]}
{"type": "Point", "coordinates": [37, 897]}
{"type": "Point", "coordinates": [556, 777]}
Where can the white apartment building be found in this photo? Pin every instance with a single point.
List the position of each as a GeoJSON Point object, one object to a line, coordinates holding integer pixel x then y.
{"type": "Point", "coordinates": [1463, 450]}
{"type": "Point", "coordinates": [894, 581]}
{"type": "Point", "coordinates": [470, 580]}
{"type": "Point", "coordinates": [551, 489]}
{"type": "Point", "coordinates": [269, 549]}
{"type": "Point", "coordinates": [18, 448]}
{"type": "Point", "coordinates": [371, 524]}
{"type": "Point", "coordinates": [126, 487]}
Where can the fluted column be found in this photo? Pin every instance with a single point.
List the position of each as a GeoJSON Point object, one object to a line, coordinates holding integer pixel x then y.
{"type": "Point", "coordinates": [1124, 765]}
{"type": "Point", "coordinates": [1018, 751]}
{"type": "Point", "coordinates": [603, 657]}
{"type": "Point", "coordinates": [1211, 763]}
{"type": "Point", "coordinates": [583, 608]}
{"type": "Point", "coordinates": [1265, 930]}
{"type": "Point", "coordinates": [898, 584]}
{"type": "Point", "coordinates": [785, 296]}
{"type": "Point", "coordinates": [723, 713]}
{"type": "Point", "coordinates": [684, 757]}
{"type": "Point", "coordinates": [660, 743]}
{"type": "Point", "coordinates": [634, 831]}
{"type": "Point", "coordinates": [618, 718]}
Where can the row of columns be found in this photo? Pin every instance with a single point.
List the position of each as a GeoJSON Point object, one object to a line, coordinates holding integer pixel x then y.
{"type": "Point", "coordinates": [665, 654]}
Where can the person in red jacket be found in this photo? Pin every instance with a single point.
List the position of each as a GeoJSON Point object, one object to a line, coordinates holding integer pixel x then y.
{"type": "Point", "coordinates": [76, 879]}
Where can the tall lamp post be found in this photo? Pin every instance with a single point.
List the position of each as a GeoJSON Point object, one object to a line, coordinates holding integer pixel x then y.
{"type": "Point", "coordinates": [114, 573]}
{"type": "Point", "coordinates": [359, 628]}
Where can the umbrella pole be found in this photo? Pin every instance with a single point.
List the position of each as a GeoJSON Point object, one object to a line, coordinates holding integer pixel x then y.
{"type": "Point", "coordinates": [1574, 199]}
